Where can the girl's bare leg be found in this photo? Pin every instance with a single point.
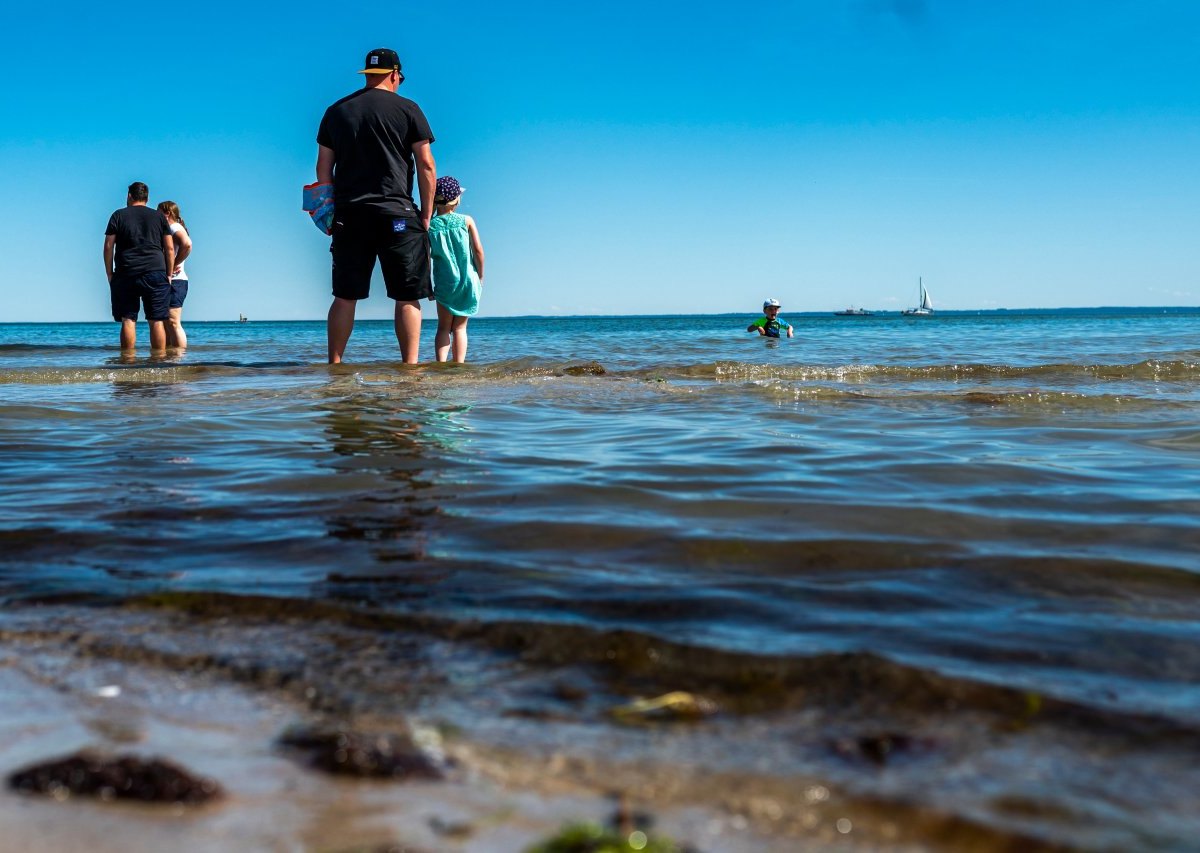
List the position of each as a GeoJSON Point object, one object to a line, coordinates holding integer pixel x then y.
{"type": "Point", "coordinates": [441, 342]}
{"type": "Point", "coordinates": [460, 339]}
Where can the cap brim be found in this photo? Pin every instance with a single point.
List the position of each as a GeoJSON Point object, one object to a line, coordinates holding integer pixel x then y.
{"type": "Point", "coordinates": [376, 71]}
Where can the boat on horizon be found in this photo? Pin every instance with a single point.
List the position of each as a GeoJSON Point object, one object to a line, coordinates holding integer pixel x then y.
{"type": "Point", "coordinates": [853, 312]}
{"type": "Point", "coordinates": [925, 308]}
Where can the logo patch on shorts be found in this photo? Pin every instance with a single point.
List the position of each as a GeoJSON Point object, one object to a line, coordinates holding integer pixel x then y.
{"type": "Point", "coordinates": [399, 225]}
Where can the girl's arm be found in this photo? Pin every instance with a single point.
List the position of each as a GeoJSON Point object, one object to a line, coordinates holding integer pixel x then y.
{"type": "Point", "coordinates": [476, 247]}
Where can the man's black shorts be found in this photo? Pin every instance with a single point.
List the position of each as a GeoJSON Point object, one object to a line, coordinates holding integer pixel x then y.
{"type": "Point", "coordinates": [401, 244]}
{"type": "Point", "coordinates": [151, 289]}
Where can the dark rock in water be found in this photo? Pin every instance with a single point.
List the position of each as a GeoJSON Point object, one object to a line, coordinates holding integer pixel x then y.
{"type": "Point", "coordinates": [351, 753]}
{"type": "Point", "coordinates": [150, 780]}
{"type": "Point", "coordinates": [880, 748]}
{"type": "Point", "coordinates": [567, 692]}
{"type": "Point", "coordinates": [457, 829]}
{"type": "Point", "coordinates": [591, 368]}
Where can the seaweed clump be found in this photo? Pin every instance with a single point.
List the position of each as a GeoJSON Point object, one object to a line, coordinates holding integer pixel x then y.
{"type": "Point", "coordinates": [589, 368]}
{"type": "Point", "coordinates": [127, 777]}
{"type": "Point", "coordinates": [593, 838]}
{"type": "Point", "coordinates": [350, 753]}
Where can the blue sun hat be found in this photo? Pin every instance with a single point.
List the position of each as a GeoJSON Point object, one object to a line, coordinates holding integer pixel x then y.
{"type": "Point", "coordinates": [448, 189]}
{"type": "Point", "coordinates": [771, 303]}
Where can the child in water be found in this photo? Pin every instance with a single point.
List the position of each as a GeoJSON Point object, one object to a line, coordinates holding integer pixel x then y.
{"type": "Point", "coordinates": [457, 266]}
{"type": "Point", "coordinates": [770, 325]}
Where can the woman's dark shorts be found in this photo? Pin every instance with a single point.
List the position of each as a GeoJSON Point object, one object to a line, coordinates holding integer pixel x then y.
{"type": "Point", "coordinates": [400, 243]}
{"type": "Point", "coordinates": [151, 289]}
{"type": "Point", "coordinates": [178, 292]}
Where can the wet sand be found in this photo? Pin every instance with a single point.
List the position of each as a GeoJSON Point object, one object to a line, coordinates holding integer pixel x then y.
{"type": "Point", "coordinates": [528, 743]}
{"type": "Point", "coordinates": [58, 697]}
{"type": "Point", "coordinates": [75, 687]}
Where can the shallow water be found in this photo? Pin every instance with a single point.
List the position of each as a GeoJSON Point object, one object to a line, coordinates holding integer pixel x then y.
{"type": "Point", "coordinates": [1006, 498]}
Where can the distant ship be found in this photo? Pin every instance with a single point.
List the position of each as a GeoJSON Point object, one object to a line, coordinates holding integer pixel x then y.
{"type": "Point", "coordinates": [242, 318]}
{"type": "Point", "coordinates": [853, 312]}
{"type": "Point", "coordinates": [926, 306]}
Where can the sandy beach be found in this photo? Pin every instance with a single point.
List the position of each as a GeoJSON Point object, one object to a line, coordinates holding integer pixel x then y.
{"type": "Point", "coordinates": [156, 690]}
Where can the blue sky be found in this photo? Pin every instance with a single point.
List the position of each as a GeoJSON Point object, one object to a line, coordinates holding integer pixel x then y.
{"type": "Point", "coordinates": [631, 158]}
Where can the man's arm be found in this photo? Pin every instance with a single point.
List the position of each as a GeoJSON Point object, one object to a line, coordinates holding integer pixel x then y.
{"type": "Point", "coordinates": [324, 165]}
{"type": "Point", "coordinates": [110, 252]}
{"type": "Point", "coordinates": [168, 246]}
{"type": "Point", "coordinates": [426, 178]}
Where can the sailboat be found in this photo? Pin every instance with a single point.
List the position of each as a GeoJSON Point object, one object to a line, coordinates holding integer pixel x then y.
{"type": "Point", "coordinates": [926, 306]}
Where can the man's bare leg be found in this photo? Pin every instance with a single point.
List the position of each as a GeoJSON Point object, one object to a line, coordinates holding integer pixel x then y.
{"type": "Point", "coordinates": [339, 326]}
{"type": "Point", "coordinates": [128, 334]}
{"type": "Point", "coordinates": [408, 330]}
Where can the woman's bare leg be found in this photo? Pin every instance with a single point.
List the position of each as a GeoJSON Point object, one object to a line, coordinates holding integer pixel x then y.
{"type": "Point", "coordinates": [176, 337]}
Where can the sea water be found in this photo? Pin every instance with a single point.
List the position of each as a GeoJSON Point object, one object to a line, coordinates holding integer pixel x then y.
{"type": "Point", "coordinates": [1003, 499]}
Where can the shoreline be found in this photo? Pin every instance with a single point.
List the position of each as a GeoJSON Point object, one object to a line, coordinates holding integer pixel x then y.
{"type": "Point", "coordinates": [1062, 311]}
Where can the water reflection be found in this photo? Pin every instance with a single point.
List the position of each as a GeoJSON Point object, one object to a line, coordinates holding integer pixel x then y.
{"type": "Point", "coordinates": [132, 359]}
{"type": "Point", "coordinates": [390, 508]}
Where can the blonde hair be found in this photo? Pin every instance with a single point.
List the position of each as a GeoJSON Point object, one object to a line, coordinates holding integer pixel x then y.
{"type": "Point", "coordinates": [171, 209]}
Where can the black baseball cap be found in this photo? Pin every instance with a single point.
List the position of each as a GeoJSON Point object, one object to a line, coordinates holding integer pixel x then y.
{"type": "Point", "coordinates": [381, 61]}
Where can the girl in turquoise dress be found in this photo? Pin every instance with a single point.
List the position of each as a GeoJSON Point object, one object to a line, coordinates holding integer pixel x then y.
{"type": "Point", "coordinates": [457, 256]}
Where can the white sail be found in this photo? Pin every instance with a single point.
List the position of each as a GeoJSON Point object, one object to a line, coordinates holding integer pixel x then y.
{"type": "Point", "coordinates": [926, 306]}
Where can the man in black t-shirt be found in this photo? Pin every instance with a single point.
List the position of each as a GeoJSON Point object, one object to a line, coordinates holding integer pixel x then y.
{"type": "Point", "coordinates": [138, 251]}
{"type": "Point", "coordinates": [369, 146]}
